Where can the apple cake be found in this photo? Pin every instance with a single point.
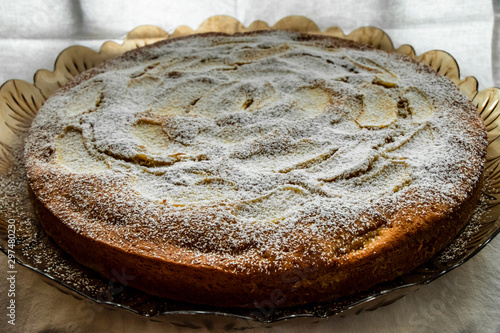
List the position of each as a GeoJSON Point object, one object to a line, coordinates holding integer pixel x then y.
{"type": "Point", "coordinates": [230, 170]}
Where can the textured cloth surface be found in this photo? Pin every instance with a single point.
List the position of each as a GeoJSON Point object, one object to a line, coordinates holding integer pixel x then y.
{"type": "Point", "coordinates": [33, 33]}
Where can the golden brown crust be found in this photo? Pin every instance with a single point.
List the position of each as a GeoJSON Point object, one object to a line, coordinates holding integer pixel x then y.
{"type": "Point", "coordinates": [399, 241]}
{"type": "Point", "coordinates": [397, 252]}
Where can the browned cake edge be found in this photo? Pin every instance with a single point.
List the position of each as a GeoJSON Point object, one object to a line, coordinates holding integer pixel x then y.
{"type": "Point", "coordinates": [401, 250]}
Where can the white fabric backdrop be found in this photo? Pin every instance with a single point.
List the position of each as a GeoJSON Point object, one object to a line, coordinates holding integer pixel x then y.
{"type": "Point", "coordinates": [32, 33]}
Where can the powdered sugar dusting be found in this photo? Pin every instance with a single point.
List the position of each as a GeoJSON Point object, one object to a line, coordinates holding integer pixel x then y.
{"type": "Point", "coordinates": [252, 147]}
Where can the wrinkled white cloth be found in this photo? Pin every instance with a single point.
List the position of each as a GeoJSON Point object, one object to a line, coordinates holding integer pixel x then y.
{"type": "Point", "coordinates": [33, 33]}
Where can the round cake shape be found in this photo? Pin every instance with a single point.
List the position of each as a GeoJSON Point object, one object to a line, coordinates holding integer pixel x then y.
{"type": "Point", "coordinates": [233, 169]}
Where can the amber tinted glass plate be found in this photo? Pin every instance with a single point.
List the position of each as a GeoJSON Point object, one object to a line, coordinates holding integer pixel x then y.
{"type": "Point", "coordinates": [20, 100]}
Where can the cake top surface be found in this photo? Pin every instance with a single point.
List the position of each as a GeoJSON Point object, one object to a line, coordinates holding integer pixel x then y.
{"type": "Point", "coordinates": [253, 146]}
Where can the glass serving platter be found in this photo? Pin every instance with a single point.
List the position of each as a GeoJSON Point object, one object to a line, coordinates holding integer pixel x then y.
{"type": "Point", "coordinates": [20, 100]}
